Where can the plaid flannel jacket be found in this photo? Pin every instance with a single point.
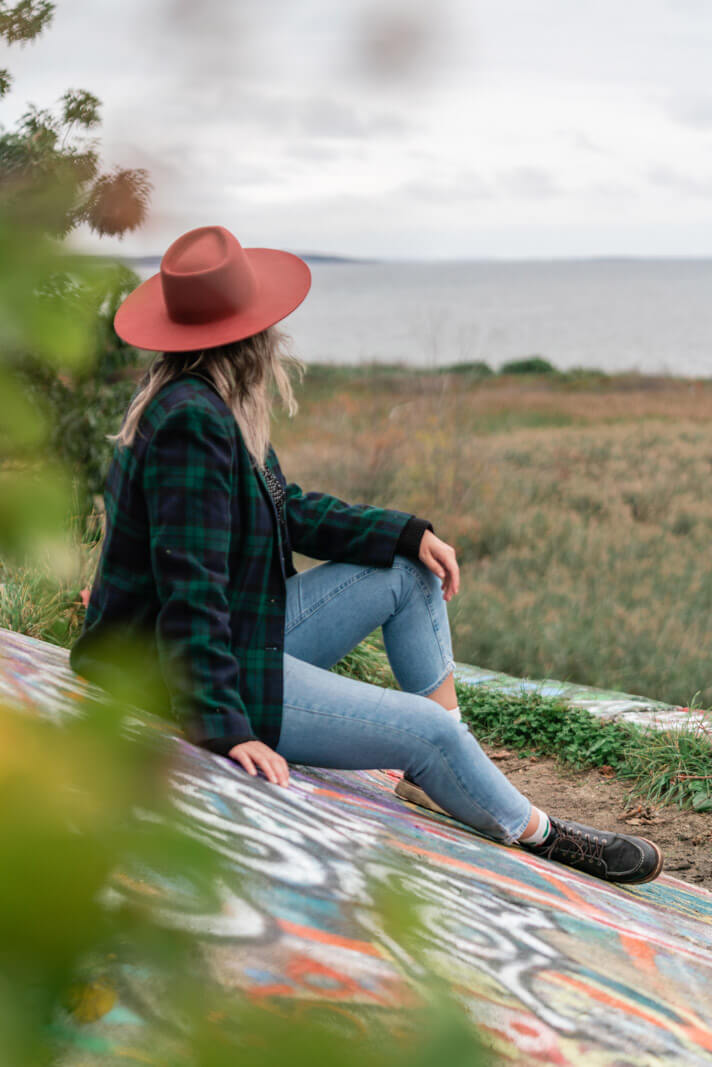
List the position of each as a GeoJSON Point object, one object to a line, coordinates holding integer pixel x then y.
{"type": "Point", "coordinates": [193, 565]}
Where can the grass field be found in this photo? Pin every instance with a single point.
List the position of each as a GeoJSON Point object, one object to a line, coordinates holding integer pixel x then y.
{"type": "Point", "coordinates": [578, 506]}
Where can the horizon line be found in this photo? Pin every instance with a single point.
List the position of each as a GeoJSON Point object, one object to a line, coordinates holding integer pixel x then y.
{"type": "Point", "coordinates": [329, 257]}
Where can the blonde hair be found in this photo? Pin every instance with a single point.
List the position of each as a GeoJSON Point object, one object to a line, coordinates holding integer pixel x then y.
{"type": "Point", "coordinates": [246, 374]}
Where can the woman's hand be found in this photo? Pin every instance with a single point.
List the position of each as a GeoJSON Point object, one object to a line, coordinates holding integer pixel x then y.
{"type": "Point", "coordinates": [439, 557]}
{"type": "Point", "coordinates": [254, 754]}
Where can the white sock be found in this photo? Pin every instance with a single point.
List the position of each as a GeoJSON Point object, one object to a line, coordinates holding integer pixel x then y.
{"type": "Point", "coordinates": [455, 712]}
{"type": "Point", "coordinates": [541, 831]}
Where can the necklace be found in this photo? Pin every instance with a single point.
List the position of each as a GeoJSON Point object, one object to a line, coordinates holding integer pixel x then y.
{"type": "Point", "coordinates": [276, 491]}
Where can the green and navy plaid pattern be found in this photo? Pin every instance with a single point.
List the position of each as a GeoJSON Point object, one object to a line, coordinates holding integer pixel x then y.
{"type": "Point", "coordinates": [193, 564]}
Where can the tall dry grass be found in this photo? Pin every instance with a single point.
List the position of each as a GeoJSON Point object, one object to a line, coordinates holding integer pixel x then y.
{"type": "Point", "coordinates": [581, 512]}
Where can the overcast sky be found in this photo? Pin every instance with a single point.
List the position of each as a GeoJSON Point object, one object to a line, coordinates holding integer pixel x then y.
{"type": "Point", "coordinates": [511, 128]}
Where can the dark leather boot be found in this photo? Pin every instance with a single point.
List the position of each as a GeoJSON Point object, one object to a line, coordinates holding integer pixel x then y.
{"type": "Point", "coordinates": [612, 857]}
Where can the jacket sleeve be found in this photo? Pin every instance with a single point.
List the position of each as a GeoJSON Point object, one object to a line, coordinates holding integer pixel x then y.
{"type": "Point", "coordinates": [187, 482]}
{"type": "Point", "coordinates": [411, 535]}
{"type": "Point", "coordinates": [324, 527]}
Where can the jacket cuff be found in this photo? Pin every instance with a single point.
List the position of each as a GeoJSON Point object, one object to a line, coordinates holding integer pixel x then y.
{"type": "Point", "coordinates": [222, 745]}
{"type": "Point", "coordinates": [411, 535]}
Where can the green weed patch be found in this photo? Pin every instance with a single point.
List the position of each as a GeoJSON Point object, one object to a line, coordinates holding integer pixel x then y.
{"type": "Point", "coordinates": [663, 766]}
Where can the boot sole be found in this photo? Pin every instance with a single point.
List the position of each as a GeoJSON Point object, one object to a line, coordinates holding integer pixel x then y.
{"type": "Point", "coordinates": [653, 874]}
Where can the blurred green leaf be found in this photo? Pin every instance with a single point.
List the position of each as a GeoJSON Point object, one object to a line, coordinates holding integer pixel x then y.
{"type": "Point", "coordinates": [21, 424]}
{"type": "Point", "coordinates": [34, 503]}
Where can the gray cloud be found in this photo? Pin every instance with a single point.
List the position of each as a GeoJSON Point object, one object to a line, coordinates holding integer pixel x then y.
{"type": "Point", "coordinates": [469, 185]}
{"type": "Point", "coordinates": [695, 111]}
{"type": "Point", "coordinates": [677, 182]}
{"type": "Point", "coordinates": [463, 187]}
{"type": "Point", "coordinates": [612, 192]}
{"type": "Point", "coordinates": [583, 143]}
{"type": "Point", "coordinates": [302, 150]}
{"type": "Point", "coordinates": [272, 114]}
{"type": "Point", "coordinates": [324, 117]}
{"type": "Point", "coordinates": [528, 182]}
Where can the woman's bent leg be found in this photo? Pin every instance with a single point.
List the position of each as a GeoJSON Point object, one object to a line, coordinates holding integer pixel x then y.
{"type": "Point", "coordinates": [333, 606]}
{"type": "Point", "coordinates": [332, 721]}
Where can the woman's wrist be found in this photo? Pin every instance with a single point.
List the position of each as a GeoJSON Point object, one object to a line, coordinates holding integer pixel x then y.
{"type": "Point", "coordinates": [411, 535]}
{"type": "Point", "coordinates": [222, 745]}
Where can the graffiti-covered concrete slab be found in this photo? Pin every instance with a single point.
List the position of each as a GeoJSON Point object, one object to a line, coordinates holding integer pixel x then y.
{"type": "Point", "coordinates": [558, 967]}
{"type": "Point", "coordinates": [603, 703]}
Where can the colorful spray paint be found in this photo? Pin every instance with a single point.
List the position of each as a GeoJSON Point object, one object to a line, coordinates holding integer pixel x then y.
{"type": "Point", "coordinates": [558, 967]}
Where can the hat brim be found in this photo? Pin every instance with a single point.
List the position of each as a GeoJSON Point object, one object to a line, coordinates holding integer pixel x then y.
{"type": "Point", "coordinates": [283, 280]}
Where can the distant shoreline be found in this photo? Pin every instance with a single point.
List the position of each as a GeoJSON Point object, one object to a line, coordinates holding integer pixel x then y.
{"type": "Point", "coordinates": [477, 373]}
{"type": "Point", "coordinates": [310, 257]}
{"type": "Point", "coordinates": [326, 258]}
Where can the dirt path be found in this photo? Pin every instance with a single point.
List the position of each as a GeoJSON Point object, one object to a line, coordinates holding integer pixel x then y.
{"type": "Point", "coordinates": [685, 837]}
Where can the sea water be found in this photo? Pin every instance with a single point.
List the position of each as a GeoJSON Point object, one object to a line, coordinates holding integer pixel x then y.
{"type": "Point", "coordinates": [645, 315]}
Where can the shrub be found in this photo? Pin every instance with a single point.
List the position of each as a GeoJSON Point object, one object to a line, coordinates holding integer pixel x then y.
{"type": "Point", "coordinates": [531, 365]}
{"type": "Point", "coordinates": [80, 407]}
{"type": "Point", "coordinates": [474, 369]}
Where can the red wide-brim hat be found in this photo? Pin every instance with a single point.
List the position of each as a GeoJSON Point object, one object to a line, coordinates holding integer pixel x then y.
{"type": "Point", "coordinates": [210, 291]}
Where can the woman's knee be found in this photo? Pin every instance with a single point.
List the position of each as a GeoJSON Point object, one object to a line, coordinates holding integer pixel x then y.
{"type": "Point", "coordinates": [436, 727]}
{"type": "Point", "coordinates": [415, 574]}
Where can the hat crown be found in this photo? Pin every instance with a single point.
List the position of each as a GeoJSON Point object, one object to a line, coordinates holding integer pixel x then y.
{"type": "Point", "coordinates": [206, 276]}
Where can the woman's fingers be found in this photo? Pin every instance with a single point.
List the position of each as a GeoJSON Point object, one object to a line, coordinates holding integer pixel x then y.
{"type": "Point", "coordinates": [275, 768]}
{"type": "Point", "coordinates": [263, 764]}
{"type": "Point", "coordinates": [244, 758]}
{"type": "Point", "coordinates": [255, 754]}
{"type": "Point", "coordinates": [441, 560]}
{"type": "Point", "coordinates": [432, 561]}
{"type": "Point", "coordinates": [453, 577]}
{"type": "Point", "coordinates": [282, 770]}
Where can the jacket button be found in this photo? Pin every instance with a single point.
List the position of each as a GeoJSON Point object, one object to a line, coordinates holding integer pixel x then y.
{"type": "Point", "coordinates": [271, 648]}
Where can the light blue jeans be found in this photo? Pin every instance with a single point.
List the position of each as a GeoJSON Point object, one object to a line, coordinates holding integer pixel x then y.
{"type": "Point", "coordinates": [332, 721]}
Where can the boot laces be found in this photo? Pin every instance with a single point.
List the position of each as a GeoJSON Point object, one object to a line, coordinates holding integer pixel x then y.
{"type": "Point", "coordinates": [584, 844]}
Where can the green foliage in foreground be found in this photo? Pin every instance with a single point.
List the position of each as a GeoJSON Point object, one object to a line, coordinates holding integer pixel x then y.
{"type": "Point", "coordinates": [32, 603]}
{"type": "Point", "coordinates": [80, 408]}
{"type": "Point", "coordinates": [42, 596]}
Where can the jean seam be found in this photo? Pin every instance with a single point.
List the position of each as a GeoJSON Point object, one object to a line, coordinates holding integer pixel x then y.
{"type": "Point", "coordinates": [447, 660]}
{"type": "Point", "coordinates": [431, 744]}
{"type": "Point", "coordinates": [333, 592]}
{"type": "Point", "coordinates": [508, 838]}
